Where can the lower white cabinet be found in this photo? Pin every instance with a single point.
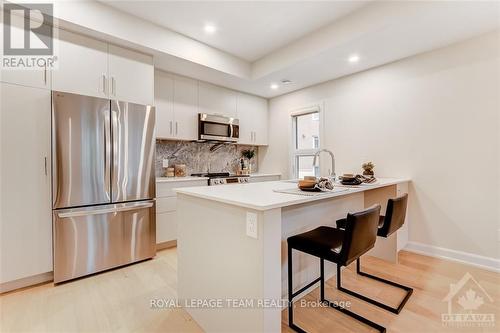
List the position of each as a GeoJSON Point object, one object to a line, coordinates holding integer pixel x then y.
{"type": "Point", "coordinates": [25, 194]}
{"type": "Point", "coordinates": [166, 227]}
{"type": "Point", "coordinates": [166, 206]}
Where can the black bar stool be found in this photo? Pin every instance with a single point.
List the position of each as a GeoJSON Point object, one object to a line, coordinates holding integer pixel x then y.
{"type": "Point", "coordinates": [388, 224]}
{"type": "Point", "coordinates": [340, 246]}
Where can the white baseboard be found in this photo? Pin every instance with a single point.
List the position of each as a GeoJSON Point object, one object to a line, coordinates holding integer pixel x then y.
{"type": "Point", "coordinates": [166, 245]}
{"type": "Point", "coordinates": [483, 262]}
{"type": "Point", "coordinates": [26, 282]}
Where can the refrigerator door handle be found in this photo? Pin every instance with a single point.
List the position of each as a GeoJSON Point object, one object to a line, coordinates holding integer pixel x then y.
{"type": "Point", "coordinates": [106, 210]}
{"type": "Point", "coordinates": [107, 157]}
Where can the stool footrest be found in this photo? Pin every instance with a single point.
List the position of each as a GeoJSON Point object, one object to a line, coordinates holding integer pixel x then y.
{"type": "Point", "coordinates": [321, 279]}
{"type": "Point", "coordinates": [305, 287]}
{"type": "Point", "coordinates": [396, 310]}
{"type": "Point", "coordinates": [355, 316]}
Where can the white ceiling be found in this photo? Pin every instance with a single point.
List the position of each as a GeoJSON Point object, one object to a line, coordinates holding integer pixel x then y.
{"type": "Point", "coordinates": [246, 29]}
{"type": "Point", "coordinates": [307, 42]}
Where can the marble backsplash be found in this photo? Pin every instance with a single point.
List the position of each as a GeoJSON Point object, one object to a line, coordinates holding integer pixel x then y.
{"type": "Point", "coordinates": [198, 157]}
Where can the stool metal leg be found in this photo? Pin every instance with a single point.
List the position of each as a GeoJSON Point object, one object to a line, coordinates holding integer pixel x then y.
{"type": "Point", "coordinates": [291, 295]}
{"type": "Point", "coordinates": [349, 313]}
{"type": "Point", "coordinates": [397, 310]}
{"type": "Point", "coordinates": [321, 279]}
{"type": "Point", "coordinates": [322, 276]}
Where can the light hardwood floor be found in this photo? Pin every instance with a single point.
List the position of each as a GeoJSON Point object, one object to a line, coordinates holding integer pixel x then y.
{"type": "Point", "coordinates": [119, 300]}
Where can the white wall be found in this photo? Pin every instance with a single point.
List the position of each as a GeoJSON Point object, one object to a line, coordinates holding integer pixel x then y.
{"type": "Point", "coordinates": [432, 117]}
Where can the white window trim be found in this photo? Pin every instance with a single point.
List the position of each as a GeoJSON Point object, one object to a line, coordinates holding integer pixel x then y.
{"type": "Point", "coordinates": [315, 107]}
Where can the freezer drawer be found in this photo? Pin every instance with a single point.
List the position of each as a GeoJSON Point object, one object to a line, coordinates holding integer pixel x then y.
{"type": "Point", "coordinates": [93, 239]}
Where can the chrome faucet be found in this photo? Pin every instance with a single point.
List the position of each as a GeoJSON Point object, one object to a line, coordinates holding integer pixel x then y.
{"type": "Point", "coordinates": [332, 171]}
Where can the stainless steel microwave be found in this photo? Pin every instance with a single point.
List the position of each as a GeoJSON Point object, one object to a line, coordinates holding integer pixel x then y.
{"type": "Point", "coordinates": [218, 128]}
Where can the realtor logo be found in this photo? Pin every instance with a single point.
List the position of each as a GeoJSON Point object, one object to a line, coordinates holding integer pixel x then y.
{"type": "Point", "coordinates": [37, 36]}
{"type": "Point", "coordinates": [470, 296]}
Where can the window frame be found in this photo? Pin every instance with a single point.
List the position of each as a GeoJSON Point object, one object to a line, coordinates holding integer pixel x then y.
{"type": "Point", "coordinates": [296, 153]}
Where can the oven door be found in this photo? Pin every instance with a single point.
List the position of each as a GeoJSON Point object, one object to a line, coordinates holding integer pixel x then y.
{"type": "Point", "coordinates": [218, 128]}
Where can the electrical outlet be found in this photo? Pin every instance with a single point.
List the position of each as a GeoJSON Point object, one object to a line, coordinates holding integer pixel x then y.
{"type": "Point", "coordinates": [252, 225]}
{"type": "Point", "coordinates": [165, 163]}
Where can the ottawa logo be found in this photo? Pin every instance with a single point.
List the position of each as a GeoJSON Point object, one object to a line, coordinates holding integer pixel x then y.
{"type": "Point", "coordinates": [470, 296]}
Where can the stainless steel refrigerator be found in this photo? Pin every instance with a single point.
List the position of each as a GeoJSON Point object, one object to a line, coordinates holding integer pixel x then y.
{"type": "Point", "coordinates": [103, 184]}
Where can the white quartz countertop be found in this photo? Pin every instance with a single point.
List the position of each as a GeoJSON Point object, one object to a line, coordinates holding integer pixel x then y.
{"type": "Point", "coordinates": [191, 178]}
{"type": "Point", "coordinates": [262, 196]}
{"type": "Point", "coordinates": [178, 179]}
{"type": "Point", "coordinates": [259, 174]}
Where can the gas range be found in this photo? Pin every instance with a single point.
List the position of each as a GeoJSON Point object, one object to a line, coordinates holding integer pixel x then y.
{"type": "Point", "coordinates": [223, 178]}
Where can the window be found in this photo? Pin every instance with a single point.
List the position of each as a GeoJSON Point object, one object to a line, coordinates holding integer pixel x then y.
{"type": "Point", "coordinates": [306, 142]}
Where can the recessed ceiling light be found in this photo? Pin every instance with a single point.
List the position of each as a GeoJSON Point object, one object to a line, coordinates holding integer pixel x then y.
{"type": "Point", "coordinates": [354, 58]}
{"type": "Point", "coordinates": [274, 86]}
{"type": "Point", "coordinates": [210, 28]}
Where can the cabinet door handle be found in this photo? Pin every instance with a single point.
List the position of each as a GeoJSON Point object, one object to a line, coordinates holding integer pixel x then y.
{"type": "Point", "coordinates": [176, 128]}
{"type": "Point", "coordinates": [170, 127]}
{"type": "Point", "coordinates": [104, 84]}
{"type": "Point", "coordinates": [45, 75]}
{"type": "Point", "coordinates": [254, 136]}
{"type": "Point", "coordinates": [113, 86]}
{"type": "Point", "coordinates": [45, 165]}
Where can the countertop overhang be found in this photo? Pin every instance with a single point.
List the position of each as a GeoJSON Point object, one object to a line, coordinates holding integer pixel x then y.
{"type": "Point", "coordinates": [261, 196]}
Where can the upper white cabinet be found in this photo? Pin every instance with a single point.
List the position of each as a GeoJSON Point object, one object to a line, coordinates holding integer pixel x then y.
{"type": "Point", "coordinates": [252, 113]}
{"type": "Point", "coordinates": [38, 78]}
{"type": "Point", "coordinates": [82, 65]}
{"type": "Point", "coordinates": [217, 100]}
{"type": "Point", "coordinates": [176, 101]}
{"type": "Point", "coordinates": [25, 191]}
{"type": "Point", "coordinates": [185, 108]}
{"type": "Point", "coordinates": [164, 103]}
{"type": "Point", "coordinates": [131, 75]}
{"type": "Point", "coordinates": [90, 67]}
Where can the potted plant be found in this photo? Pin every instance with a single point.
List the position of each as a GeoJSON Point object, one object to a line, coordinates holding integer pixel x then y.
{"type": "Point", "coordinates": [368, 169]}
{"type": "Point", "coordinates": [248, 154]}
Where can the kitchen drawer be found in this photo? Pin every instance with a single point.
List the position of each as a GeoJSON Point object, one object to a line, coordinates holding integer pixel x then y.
{"type": "Point", "coordinates": [166, 227]}
{"type": "Point", "coordinates": [166, 189]}
{"type": "Point", "coordinates": [167, 204]}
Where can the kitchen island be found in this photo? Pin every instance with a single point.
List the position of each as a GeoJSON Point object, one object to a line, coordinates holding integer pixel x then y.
{"type": "Point", "coordinates": [232, 262]}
